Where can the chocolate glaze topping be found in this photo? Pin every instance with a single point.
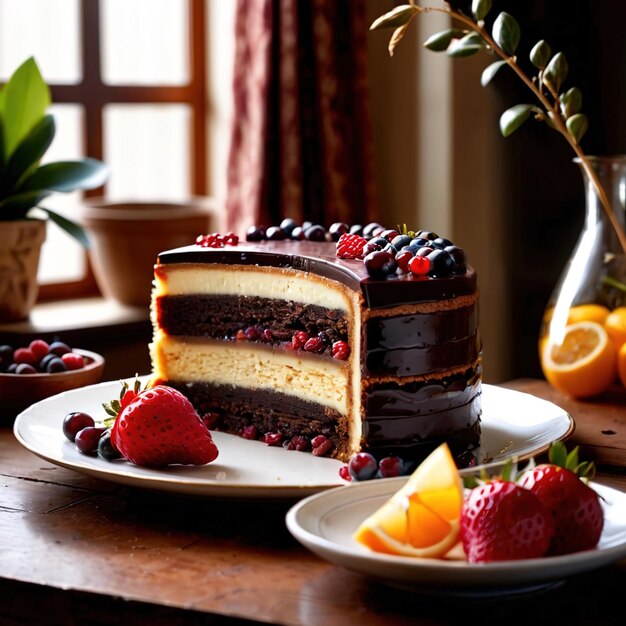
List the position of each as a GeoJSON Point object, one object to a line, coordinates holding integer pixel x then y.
{"type": "Point", "coordinates": [320, 258]}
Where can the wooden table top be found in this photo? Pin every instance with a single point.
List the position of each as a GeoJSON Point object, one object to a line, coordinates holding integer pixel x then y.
{"type": "Point", "coordinates": [75, 550]}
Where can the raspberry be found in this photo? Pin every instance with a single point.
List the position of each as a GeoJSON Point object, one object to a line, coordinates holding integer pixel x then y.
{"type": "Point", "coordinates": [24, 355]}
{"type": "Point", "coordinates": [340, 351]}
{"type": "Point", "coordinates": [39, 348]}
{"type": "Point", "coordinates": [315, 344]}
{"type": "Point", "coordinates": [272, 439]}
{"type": "Point", "coordinates": [299, 339]}
{"type": "Point", "coordinates": [73, 361]}
{"type": "Point", "coordinates": [350, 246]}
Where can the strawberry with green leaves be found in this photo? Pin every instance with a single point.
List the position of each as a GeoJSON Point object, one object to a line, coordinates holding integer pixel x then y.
{"type": "Point", "coordinates": [158, 426]}
{"type": "Point", "coordinates": [575, 507]}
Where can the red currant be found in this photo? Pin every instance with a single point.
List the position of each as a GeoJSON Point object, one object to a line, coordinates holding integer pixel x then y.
{"type": "Point", "coordinates": [419, 265]}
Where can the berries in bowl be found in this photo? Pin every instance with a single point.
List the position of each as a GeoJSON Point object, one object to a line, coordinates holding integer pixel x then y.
{"type": "Point", "coordinates": [39, 370]}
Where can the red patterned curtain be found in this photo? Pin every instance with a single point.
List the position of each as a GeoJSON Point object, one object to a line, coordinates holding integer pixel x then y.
{"type": "Point", "coordinates": [301, 142]}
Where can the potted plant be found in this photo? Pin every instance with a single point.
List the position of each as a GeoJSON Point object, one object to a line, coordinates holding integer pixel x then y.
{"type": "Point", "coordinates": [26, 132]}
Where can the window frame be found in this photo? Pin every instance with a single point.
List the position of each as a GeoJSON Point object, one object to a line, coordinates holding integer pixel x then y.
{"type": "Point", "coordinates": [93, 94]}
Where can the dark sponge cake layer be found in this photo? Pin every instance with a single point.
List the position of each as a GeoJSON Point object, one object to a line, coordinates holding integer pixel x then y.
{"type": "Point", "coordinates": [410, 419]}
{"type": "Point", "coordinates": [222, 316]}
{"type": "Point", "coordinates": [231, 408]}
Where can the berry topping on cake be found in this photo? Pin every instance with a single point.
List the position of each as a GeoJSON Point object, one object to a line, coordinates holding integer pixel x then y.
{"type": "Point", "coordinates": [350, 246]}
{"type": "Point", "coordinates": [160, 427]}
{"type": "Point", "coordinates": [380, 264]}
{"type": "Point", "coordinates": [215, 240]}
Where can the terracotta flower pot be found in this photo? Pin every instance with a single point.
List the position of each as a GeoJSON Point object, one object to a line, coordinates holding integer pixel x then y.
{"type": "Point", "coordinates": [127, 236]}
{"type": "Point", "coordinates": [20, 246]}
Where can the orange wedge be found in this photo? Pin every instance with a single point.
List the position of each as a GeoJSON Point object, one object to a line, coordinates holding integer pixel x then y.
{"type": "Point", "coordinates": [584, 363]}
{"type": "Point", "coordinates": [422, 518]}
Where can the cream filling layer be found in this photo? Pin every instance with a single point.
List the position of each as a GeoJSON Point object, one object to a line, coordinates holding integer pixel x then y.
{"type": "Point", "coordinates": [254, 366]}
{"type": "Point", "coordinates": [251, 280]}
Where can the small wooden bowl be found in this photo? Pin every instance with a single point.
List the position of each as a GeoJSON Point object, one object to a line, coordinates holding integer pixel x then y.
{"type": "Point", "coordinates": [19, 391]}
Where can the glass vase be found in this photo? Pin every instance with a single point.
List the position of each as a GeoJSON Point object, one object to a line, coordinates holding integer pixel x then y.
{"type": "Point", "coordinates": [584, 325]}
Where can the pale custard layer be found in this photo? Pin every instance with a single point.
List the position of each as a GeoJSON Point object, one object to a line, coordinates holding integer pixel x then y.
{"type": "Point", "coordinates": [254, 366]}
{"type": "Point", "coordinates": [250, 280]}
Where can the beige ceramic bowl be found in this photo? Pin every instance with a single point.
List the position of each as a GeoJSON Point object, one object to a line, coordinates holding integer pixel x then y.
{"type": "Point", "coordinates": [19, 391]}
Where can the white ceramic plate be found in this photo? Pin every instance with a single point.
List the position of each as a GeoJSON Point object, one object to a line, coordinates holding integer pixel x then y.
{"type": "Point", "coordinates": [513, 424]}
{"type": "Point", "coordinates": [324, 523]}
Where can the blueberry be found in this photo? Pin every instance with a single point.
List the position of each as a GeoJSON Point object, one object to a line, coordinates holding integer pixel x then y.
{"type": "Point", "coordinates": [441, 263]}
{"type": "Point", "coordinates": [275, 233]}
{"type": "Point", "coordinates": [379, 241]}
{"type": "Point", "coordinates": [297, 234]}
{"type": "Point", "coordinates": [425, 234]}
{"type": "Point", "coordinates": [59, 348]}
{"type": "Point", "coordinates": [287, 226]}
{"type": "Point", "coordinates": [378, 232]}
{"type": "Point", "coordinates": [6, 357]}
{"type": "Point", "coordinates": [25, 368]}
{"type": "Point", "coordinates": [87, 439]}
{"type": "Point", "coordinates": [43, 364]}
{"type": "Point", "coordinates": [55, 365]}
{"type": "Point", "coordinates": [336, 230]}
{"type": "Point", "coordinates": [401, 240]}
{"type": "Point", "coordinates": [389, 234]}
{"type": "Point", "coordinates": [370, 247]}
{"type": "Point", "coordinates": [420, 241]}
{"type": "Point", "coordinates": [440, 243]}
{"type": "Point", "coordinates": [106, 449]}
{"type": "Point", "coordinates": [380, 264]}
{"type": "Point", "coordinates": [315, 233]}
{"type": "Point", "coordinates": [425, 251]}
{"type": "Point", "coordinates": [12, 369]}
{"type": "Point", "coordinates": [306, 225]}
{"type": "Point", "coordinates": [356, 229]}
{"type": "Point", "coordinates": [362, 466]}
{"type": "Point", "coordinates": [390, 466]}
{"type": "Point", "coordinates": [368, 230]}
{"type": "Point", "coordinates": [460, 259]}
{"type": "Point", "coordinates": [255, 233]}
{"type": "Point", "coordinates": [75, 422]}
{"type": "Point", "coordinates": [391, 248]}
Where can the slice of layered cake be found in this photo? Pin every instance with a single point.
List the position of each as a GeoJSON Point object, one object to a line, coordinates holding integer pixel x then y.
{"type": "Point", "coordinates": [286, 342]}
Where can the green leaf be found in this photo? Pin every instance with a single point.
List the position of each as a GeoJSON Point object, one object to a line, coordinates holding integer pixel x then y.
{"type": "Point", "coordinates": [24, 101]}
{"type": "Point", "coordinates": [71, 228]}
{"type": "Point", "coordinates": [17, 206]}
{"type": "Point", "coordinates": [577, 126]}
{"type": "Point", "coordinates": [398, 16]}
{"type": "Point", "coordinates": [571, 461]}
{"type": "Point", "coordinates": [480, 8]}
{"type": "Point", "coordinates": [557, 454]}
{"type": "Point", "coordinates": [68, 176]}
{"type": "Point", "coordinates": [440, 41]}
{"type": "Point", "coordinates": [514, 117]}
{"type": "Point", "coordinates": [571, 102]}
{"type": "Point", "coordinates": [556, 71]}
{"type": "Point", "coordinates": [28, 153]}
{"type": "Point", "coordinates": [540, 54]}
{"type": "Point", "coordinates": [490, 71]}
{"type": "Point", "coordinates": [466, 46]}
{"type": "Point", "coordinates": [2, 160]}
{"type": "Point", "coordinates": [506, 32]}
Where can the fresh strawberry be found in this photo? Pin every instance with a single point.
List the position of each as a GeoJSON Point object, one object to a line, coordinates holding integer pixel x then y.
{"type": "Point", "coordinates": [501, 521]}
{"type": "Point", "coordinates": [575, 507]}
{"type": "Point", "coordinates": [160, 427]}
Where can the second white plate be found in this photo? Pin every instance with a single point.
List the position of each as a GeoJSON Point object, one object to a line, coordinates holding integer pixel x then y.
{"type": "Point", "coordinates": [513, 423]}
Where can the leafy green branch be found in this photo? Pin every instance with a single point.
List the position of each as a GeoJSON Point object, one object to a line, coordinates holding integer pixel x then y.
{"type": "Point", "coordinates": [560, 110]}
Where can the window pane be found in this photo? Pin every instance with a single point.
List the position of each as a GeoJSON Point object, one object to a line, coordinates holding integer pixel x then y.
{"type": "Point", "coordinates": [49, 31]}
{"type": "Point", "coordinates": [147, 147]}
{"type": "Point", "coordinates": [62, 258]}
{"type": "Point", "coordinates": [144, 42]}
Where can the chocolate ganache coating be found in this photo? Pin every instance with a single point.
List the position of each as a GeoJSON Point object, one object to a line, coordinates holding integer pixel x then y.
{"type": "Point", "coordinates": [320, 258]}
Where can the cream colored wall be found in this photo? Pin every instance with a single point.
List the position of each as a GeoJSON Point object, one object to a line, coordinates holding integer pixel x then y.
{"type": "Point", "coordinates": [437, 156]}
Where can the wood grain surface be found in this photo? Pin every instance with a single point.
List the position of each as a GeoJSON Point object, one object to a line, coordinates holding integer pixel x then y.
{"type": "Point", "coordinates": [75, 550]}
